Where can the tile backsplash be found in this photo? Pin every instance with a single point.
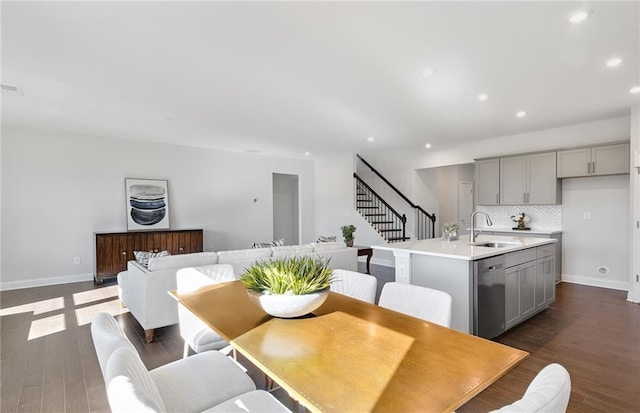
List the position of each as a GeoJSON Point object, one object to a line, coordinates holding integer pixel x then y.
{"type": "Point", "coordinates": [543, 217]}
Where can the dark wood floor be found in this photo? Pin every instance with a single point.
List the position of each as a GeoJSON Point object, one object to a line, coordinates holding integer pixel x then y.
{"type": "Point", "coordinates": [48, 364]}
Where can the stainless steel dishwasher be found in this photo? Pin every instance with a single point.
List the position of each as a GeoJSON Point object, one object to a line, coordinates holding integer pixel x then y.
{"type": "Point", "coordinates": [489, 297]}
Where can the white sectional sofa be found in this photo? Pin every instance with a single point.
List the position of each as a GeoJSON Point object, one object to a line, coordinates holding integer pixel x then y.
{"type": "Point", "coordinates": [143, 290]}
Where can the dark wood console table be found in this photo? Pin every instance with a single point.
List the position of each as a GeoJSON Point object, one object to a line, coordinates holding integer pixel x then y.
{"type": "Point", "coordinates": [114, 249]}
{"type": "Point", "coordinates": [365, 251]}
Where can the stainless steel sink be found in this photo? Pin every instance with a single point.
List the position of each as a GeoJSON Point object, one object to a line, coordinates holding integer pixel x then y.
{"type": "Point", "coordinates": [494, 244]}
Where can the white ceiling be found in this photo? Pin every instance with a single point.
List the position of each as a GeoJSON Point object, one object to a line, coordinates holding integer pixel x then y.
{"type": "Point", "coordinates": [285, 78]}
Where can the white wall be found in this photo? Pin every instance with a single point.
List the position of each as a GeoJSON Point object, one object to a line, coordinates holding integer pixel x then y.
{"type": "Point", "coordinates": [58, 189]}
{"type": "Point", "coordinates": [634, 216]}
{"type": "Point", "coordinates": [602, 240]}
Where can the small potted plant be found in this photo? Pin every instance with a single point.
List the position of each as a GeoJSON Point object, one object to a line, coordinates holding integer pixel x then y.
{"type": "Point", "coordinates": [347, 234]}
{"type": "Point", "coordinates": [450, 231]}
{"type": "Point", "coordinates": [288, 287]}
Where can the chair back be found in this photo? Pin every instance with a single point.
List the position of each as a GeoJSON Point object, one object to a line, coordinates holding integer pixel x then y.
{"type": "Point", "coordinates": [354, 284]}
{"type": "Point", "coordinates": [130, 387]}
{"type": "Point", "coordinates": [549, 392]}
{"type": "Point", "coordinates": [420, 302]}
{"type": "Point", "coordinates": [107, 336]}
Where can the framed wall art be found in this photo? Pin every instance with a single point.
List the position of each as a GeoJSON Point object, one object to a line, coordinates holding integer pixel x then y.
{"type": "Point", "coordinates": [147, 204]}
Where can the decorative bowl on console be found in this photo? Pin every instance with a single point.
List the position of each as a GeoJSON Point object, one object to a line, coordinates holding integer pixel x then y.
{"type": "Point", "coordinates": [288, 287]}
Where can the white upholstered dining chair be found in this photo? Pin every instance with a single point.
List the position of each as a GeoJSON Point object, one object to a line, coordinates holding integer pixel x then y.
{"type": "Point", "coordinates": [548, 392]}
{"type": "Point", "coordinates": [209, 381]}
{"type": "Point", "coordinates": [420, 302]}
{"type": "Point", "coordinates": [196, 334]}
{"type": "Point", "coordinates": [355, 285]}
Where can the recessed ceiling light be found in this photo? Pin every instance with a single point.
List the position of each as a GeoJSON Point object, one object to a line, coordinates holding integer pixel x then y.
{"type": "Point", "coordinates": [579, 16]}
{"type": "Point", "coordinates": [429, 72]}
{"type": "Point", "coordinates": [428, 146]}
{"type": "Point", "coordinates": [635, 90]}
{"type": "Point", "coordinates": [482, 97]}
{"type": "Point", "coordinates": [614, 62]}
{"type": "Point", "coordinates": [307, 153]}
{"type": "Point", "coordinates": [371, 139]}
{"type": "Point", "coordinates": [521, 114]}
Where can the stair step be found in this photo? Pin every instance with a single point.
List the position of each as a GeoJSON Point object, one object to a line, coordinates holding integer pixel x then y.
{"type": "Point", "coordinates": [375, 215]}
{"type": "Point", "coordinates": [382, 222]}
{"type": "Point", "coordinates": [363, 200]}
{"type": "Point", "coordinates": [390, 230]}
{"type": "Point", "coordinates": [367, 207]}
{"type": "Point", "coordinates": [398, 239]}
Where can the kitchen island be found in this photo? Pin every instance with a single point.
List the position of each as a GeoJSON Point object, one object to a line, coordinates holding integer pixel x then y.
{"type": "Point", "coordinates": [522, 282]}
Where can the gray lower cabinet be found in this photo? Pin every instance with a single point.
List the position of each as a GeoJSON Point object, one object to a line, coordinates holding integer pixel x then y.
{"type": "Point", "coordinates": [557, 269]}
{"type": "Point", "coordinates": [529, 283]}
{"type": "Point", "coordinates": [520, 289]}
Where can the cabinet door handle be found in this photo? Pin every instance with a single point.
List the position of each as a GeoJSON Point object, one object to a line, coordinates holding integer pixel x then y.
{"type": "Point", "coordinates": [124, 252]}
{"type": "Point", "coordinates": [593, 167]}
{"type": "Point", "coordinates": [524, 197]}
{"type": "Point", "coordinates": [497, 198]}
{"type": "Point", "coordinates": [588, 167]}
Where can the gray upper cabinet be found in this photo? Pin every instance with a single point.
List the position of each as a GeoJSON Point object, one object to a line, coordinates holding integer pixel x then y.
{"type": "Point", "coordinates": [529, 179]}
{"type": "Point", "coordinates": [597, 160]}
{"type": "Point", "coordinates": [488, 182]}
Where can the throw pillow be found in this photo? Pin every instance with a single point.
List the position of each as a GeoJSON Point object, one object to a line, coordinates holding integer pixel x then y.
{"type": "Point", "coordinates": [143, 256]}
{"type": "Point", "coordinates": [322, 238]}
{"type": "Point", "coordinates": [276, 243]}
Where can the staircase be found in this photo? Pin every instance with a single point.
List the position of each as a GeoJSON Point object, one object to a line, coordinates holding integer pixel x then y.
{"type": "Point", "coordinates": [389, 223]}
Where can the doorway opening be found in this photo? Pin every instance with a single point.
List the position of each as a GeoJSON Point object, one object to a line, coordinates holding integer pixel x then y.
{"type": "Point", "coordinates": [286, 217]}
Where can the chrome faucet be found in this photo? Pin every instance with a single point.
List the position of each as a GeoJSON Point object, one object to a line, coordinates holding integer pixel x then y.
{"type": "Point", "coordinates": [472, 233]}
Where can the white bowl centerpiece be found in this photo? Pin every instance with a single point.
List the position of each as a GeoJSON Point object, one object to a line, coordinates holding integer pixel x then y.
{"type": "Point", "coordinates": [288, 287]}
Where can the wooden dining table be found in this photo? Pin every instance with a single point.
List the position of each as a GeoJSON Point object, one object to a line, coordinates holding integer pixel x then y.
{"type": "Point", "coordinates": [352, 356]}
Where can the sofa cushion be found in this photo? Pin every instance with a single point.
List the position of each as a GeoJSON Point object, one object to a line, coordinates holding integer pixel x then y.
{"type": "Point", "coordinates": [328, 246]}
{"type": "Point", "coordinates": [227, 257]}
{"type": "Point", "coordinates": [292, 250]}
{"type": "Point", "coordinates": [143, 256]}
{"type": "Point", "coordinates": [182, 260]}
{"type": "Point", "coordinates": [276, 243]}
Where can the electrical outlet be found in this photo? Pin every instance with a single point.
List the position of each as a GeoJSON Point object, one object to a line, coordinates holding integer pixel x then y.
{"type": "Point", "coordinates": [587, 215]}
{"type": "Point", "coordinates": [76, 260]}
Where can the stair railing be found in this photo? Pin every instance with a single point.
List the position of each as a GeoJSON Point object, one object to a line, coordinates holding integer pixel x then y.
{"type": "Point", "coordinates": [384, 218]}
{"type": "Point", "coordinates": [424, 222]}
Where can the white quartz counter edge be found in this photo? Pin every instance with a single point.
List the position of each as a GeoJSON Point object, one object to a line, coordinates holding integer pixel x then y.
{"type": "Point", "coordinates": [461, 249]}
{"type": "Point", "coordinates": [521, 232]}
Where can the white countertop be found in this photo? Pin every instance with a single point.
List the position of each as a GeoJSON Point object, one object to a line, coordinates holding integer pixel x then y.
{"type": "Point", "coordinates": [523, 232]}
{"type": "Point", "coordinates": [461, 249]}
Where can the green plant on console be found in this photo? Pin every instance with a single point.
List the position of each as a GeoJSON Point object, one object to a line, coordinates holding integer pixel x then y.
{"type": "Point", "coordinates": [347, 232]}
{"type": "Point", "coordinates": [290, 276]}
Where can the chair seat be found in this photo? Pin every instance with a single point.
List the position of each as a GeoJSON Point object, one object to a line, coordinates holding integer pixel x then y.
{"type": "Point", "coordinates": [198, 382]}
{"type": "Point", "coordinates": [255, 401]}
{"type": "Point", "coordinates": [207, 340]}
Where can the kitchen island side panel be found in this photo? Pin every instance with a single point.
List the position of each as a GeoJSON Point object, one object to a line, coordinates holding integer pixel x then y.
{"type": "Point", "coordinates": [452, 276]}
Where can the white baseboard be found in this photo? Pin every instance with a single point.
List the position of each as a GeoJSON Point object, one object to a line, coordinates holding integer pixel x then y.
{"type": "Point", "coordinates": [41, 282]}
{"type": "Point", "coordinates": [594, 282]}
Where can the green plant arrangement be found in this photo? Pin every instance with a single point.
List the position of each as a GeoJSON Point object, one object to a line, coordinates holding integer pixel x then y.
{"type": "Point", "coordinates": [347, 232]}
{"type": "Point", "coordinates": [288, 287]}
{"type": "Point", "coordinates": [450, 231]}
{"type": "Point", "coordinates": [288, 276]}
